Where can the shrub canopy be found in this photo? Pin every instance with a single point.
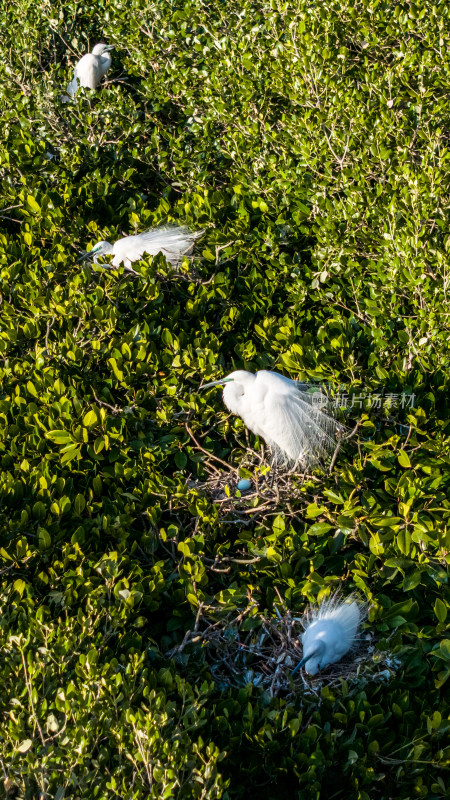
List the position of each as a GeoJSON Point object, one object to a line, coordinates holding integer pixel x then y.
{"type": "Point", "coordinates": [310, 141]}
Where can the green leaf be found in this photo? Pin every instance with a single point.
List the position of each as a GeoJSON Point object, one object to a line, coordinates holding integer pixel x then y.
{"type": "Point", "coordinates": [386, 522]}
{"type": "Point", "coordinates": [192, 599]}
{"type": "Point", "coordinates": [117, 372]}
{"type": "Point", "coordinates": [32, 204]}
{"type": "Point", "coordinates": [79, 504]}
{"type": "Point", "coordinates": [19, 586]}
{"type": "Point", "coordinates": [59, 436]}
{"type": "Point", "coordinates": [273, 555]}
{"type": "Point", "coordinates": [44, 539]}
{"type": "Point", "coordinates": [440, 609]}
{"type": "Point", "coordinates": [403, 459]}
{"type": "Point", "coordinates": [39, 510]}
{"type": "Point", "coordinates": [319, 528]}
{"type": "Point", "coordinates": [397, 621]}
{"type": "Point", "coordinates": [90, 419]}
{"type": "Point", "coordinates": [412, 580]}
{"type": "Point", "coordinates": [443, 651]}
{"type": "Point", "coordinates": [313, 510]}
{"type": "Point", "coordinates": [337, 499]}
{"type": "Point", "coordinates": [375, 544]}
{"type": "Point", "coordinates": [180, 459]}
{"type": "Point", "coordinates": [71, 452]}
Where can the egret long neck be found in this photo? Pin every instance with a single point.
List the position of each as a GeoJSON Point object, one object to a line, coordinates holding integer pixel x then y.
{"type": "Point", "coordinates": [314, 650]}
{"type": "Point", "coordinates": [232, 396]}
{"type": "Point", "coordinates": [105, 61]}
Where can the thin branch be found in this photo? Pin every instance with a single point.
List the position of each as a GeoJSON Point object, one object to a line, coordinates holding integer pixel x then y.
{"type": "Point", "coordinates": [30, 695]}
{"type": "Point", "coordinates": [49, 327]}
{"type": "Point", "coordinates": [114, 409]}
{"type": "Point", "coordinates": [210, 455]}
{"type": "Point", "coordinates": [338, 446]}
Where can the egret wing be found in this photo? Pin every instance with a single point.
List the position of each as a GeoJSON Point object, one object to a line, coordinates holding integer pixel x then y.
{"type": "Point", "coordinates": [104, 64]}
{"type": "Point", "coordinates": [127, 250]}
{"type": "Point", "coordinates": [86, 71]}
{"type": "Point", "coordinates": [173, 242]}
{"type": "Point", "coordinates": [296, 426]}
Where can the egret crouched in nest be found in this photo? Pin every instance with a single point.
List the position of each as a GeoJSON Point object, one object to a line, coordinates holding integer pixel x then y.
{"type": "Point", "coordinates": [283, 412]}
{"type": "Point", "coordinates": [173, 243]}
{"type": "Point", "coordinates": [90, 70]}
{"type": "Point", "coordinates": [332, 630]}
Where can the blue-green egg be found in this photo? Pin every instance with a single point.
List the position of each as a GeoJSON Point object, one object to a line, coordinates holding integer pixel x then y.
{"type": "Point", "coordinates": [244, 485]}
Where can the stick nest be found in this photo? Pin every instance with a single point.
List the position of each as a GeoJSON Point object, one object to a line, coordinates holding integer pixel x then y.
{"type": "Point", "coordinates": [247, 646]}
{"type": "Point", "coordinates": [271, 487]}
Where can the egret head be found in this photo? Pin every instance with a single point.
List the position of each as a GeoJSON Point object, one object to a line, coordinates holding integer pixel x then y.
{"type": "Point", "coordinates": [240, 376]}
{"type": "Point", "coordinates": [312, 664]}
{"type": "Point", "coordinates": [312, 660]}
{"type": "Point", "coordinates": [235, 395]}
{"type": "Point", "coordinates": [101, 48]}
{"type": "Point", "coordinates": [100, 249]}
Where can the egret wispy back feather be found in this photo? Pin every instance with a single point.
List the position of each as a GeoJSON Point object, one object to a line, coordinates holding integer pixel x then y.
{"type": "Point", "coordinates": [331, 631]}
{"type": "Point", "coordinates": [284, 413]}
{"type": "Point", "coordinates": [173, 242]}
{"type": "Point", "coordinates": [300, 431]}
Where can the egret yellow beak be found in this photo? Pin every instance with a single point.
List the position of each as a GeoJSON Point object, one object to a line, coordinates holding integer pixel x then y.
{"type": "Point", "coordinates": [87, 254]}
{"type": "Point", "coordinates": [216, 383]}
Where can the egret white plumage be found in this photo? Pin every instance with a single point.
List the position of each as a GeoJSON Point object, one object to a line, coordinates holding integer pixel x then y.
{"type": "Point", "coordinates": [173, 243]}
{"type": "Point", "coordinates": [90, 69]}
{"type": "Point", "coordinates": [283, 412]}
{"type": "Point", "coordinates": [331, 631]}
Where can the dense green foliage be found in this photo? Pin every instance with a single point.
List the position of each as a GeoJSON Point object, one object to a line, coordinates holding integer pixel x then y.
{"type": "Point", "coordinates": [310, 140]}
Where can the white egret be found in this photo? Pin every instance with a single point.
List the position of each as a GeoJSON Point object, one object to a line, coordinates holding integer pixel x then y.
{"type": "Point", "coordinates": [173, 243]}
{"type": "Point", "coordinates": [283, 412]}
{"type": "Point", "coordinates": [331, 631]}
{"type": "Point", "coordinates": [90, 69]}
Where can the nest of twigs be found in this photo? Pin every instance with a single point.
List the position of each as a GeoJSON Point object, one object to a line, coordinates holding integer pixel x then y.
{"type": "Point", "coordinates": [247, 646]}
{"type": "Point", "coordinates": [271, 482]}
{"type": "Point", "coordinates": [271, 485]}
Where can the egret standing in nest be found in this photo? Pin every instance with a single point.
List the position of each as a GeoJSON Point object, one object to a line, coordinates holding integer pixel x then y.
{"type": "Point", "coordinates": [331, 631]}
{"type": "Point", "coordinates": [283, 412]}
{"type": "Point", "coordinates": [90, 69]}
{"type": "Point", "coordinates": [173, 243]}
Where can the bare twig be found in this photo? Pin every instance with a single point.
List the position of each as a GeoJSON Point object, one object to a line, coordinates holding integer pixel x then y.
{"type": "Point", "coordinates": [30, 696]}
{"type": "Point", "coordinates": [114, 409]}
{"type": "Point", "coordinates": [49, 327]}
{"type": "Point", "coordinates": [340, 440]}
{"type": "Point", "coordinates": [210, 455]}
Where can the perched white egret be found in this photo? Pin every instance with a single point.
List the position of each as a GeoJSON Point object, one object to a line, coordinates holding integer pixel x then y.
{"type": "Point", "coordinates": [90, 69]}
{"type": "Point", "coordinates": [173, 243]}
{"type": "Point", "coordinates": [331, 631]}
{"type": "Point", "coordinates": [283, 412]}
